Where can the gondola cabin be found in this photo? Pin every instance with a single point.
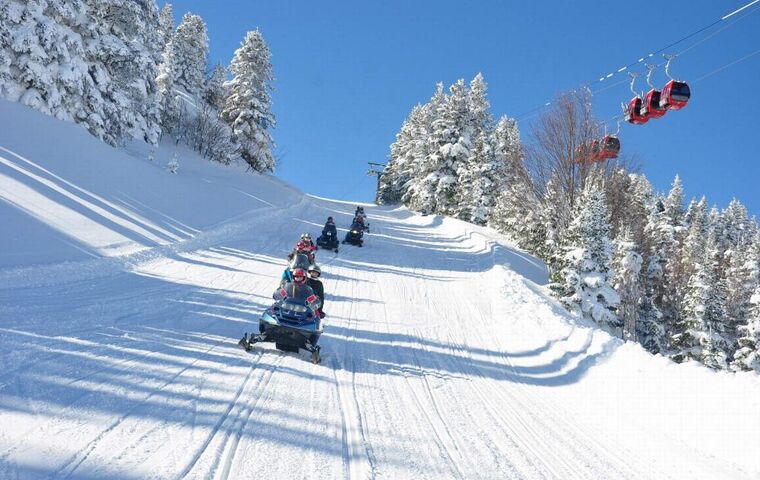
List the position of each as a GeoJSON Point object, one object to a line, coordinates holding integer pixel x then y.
{"type": "Point", "coordinates": [651, 105]}
{"type": "Point", "coordinates": [608, 148]}
{"type": "Point", "coordinates": [633, 112]}
{"type": "Point", "coordinates": [675, 95]}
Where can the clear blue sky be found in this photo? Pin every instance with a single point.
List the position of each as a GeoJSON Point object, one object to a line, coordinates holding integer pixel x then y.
{"type": "Point", "coordinates": [348, 72]}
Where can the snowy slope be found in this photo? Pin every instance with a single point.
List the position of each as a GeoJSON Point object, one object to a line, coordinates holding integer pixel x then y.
{"type": "Point", "coordinates": [124, 289]}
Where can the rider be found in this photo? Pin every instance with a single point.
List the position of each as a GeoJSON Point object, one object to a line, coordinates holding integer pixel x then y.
{"type": "Point", "coordinates": [329, 227]}
{"type": "Point", "coordinates": [305, 237]}
{"type": "Point", "coordinates": [304, 247]}
{"type": "Point", "coordinates": [316, 285]}
{"type": "Point", "coordinates": [297, 288]}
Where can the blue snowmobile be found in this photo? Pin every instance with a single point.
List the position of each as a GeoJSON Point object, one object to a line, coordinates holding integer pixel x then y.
{"type": "Point", "coordinates": [292, 323]}
{"type": "Point", "coordinates": [355, 234]}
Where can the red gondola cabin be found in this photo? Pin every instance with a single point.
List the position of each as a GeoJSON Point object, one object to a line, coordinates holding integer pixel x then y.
{"type": "Point", "coordinates": [609, 148]}
{"type": "Point", "coordinates": [675, 95]}
{"type": "Point", "coordinates": [633, 112]}
{"type": "Point", "coordinates": [651, 105]}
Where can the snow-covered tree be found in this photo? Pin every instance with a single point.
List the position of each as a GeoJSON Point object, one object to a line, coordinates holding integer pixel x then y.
{"type": "Point", "coordinates": [519, 213]}
{"type": "Point", "coordinates": [747, 356]}
{"type": "Point", "coordinates": [42, 57]}
{"type": "Point", "coordinates": [166, 25]}
{"type": "Point", "coordinates": [407, 152]}
{"type": "Point", "coordinates": [248, 108]}
{"type": "Point", "coordinates": [627, 266]}
{"type": "Point", "coordinates": [495, 171]}
{"type": "Point", "coordinates": [169, 103]}
{"type": "Point", "coordinates": [120, 43]}
{"type": "Point", "coordinates": [697, 333]}
{"type": "Point", "coordinates": [451, 143]}
{"type": "Point", "coordinates": [674, 203]}
{"type": "Point", "coordinates": [420, 194]}
{"type": "Point", "coordinates": [585, 282]}
{"type": "Point", "coordinates": [214, 93]}
{"type": "Point", "coordinates": [190, 43]}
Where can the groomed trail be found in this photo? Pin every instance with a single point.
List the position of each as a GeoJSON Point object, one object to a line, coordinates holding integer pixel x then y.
{"type": "Point", "coordinates": [443, 355]}
{"type": "Point", "coordinates": [441, 359]}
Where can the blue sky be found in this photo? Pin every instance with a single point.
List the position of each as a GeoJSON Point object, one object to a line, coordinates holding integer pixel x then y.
{"type": "Point", "coordinates": [348, 72]}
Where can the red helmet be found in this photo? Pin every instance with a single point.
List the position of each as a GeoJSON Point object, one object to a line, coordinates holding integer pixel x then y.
{"type": "Point", "coordinates": [299, 273]}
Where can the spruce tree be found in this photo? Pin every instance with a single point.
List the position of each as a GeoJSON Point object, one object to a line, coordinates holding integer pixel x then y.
{"type": "Point", "coordinates": [585, 282]}
{"type": "Point", "coordinates": [247, 109]}
{"type": "Point", "coordinates": [190, 43]}
{"type": "Point", "coordinates": [421, 193]}
{"type": "Point", "coordinates": [747, 356]}
{"type": "Point", "coordinates": [627, 266]}
{"type": "Point", "coordinates": [166, 25]}
{"type": "Point", "coordinates": [214, 92]}
{"type": "Point", "coordinates": [697, 333]}
{"type": "Point", "coordinates": [404, 157]}
{"type": "Point", "coordinates": [451, 144]}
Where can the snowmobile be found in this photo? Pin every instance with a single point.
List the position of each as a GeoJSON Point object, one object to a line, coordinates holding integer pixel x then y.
{"type": "Point", "coordinates": [293, 324]}
{"type": "Point", "coordinates": [355, 234]}
{"type": "Point", "coordinates": [328, 240]}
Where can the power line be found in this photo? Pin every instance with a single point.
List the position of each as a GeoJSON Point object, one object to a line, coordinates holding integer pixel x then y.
{"type": "Point", "coordinates": [660, 50]}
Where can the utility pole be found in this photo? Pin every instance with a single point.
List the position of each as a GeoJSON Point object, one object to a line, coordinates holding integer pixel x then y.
{"type": "Point", "coordinates": [376, 169]}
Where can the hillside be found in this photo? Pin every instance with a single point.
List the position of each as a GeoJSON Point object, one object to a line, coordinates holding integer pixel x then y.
{"type": "Point", "coordinates": [124, 290]}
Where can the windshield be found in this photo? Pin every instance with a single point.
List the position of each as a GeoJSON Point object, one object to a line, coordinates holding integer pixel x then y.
{"type": "Point", "coordinates": [300, 261]}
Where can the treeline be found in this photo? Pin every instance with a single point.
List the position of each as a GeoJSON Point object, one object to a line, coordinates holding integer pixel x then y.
{"type": "Point", "coordinates": [124, 71]}
{"type": "Point", "coordinates": [684, 281]}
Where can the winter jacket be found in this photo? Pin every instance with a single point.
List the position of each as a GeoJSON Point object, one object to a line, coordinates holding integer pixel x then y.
{"type": "Point", "coordinates": [330, 227]}
{"type": "Point", "coordinates": [318, 288]}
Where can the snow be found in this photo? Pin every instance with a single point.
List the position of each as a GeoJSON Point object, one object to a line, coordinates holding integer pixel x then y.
{"type": "Point", "coordinates": [124, 289]}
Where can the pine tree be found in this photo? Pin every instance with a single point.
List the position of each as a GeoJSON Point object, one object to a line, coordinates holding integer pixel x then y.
{"type": "Point", "coordinates": [499, 170]}
{"type": "Point", "coordinates": [420, 194]}
{"type": "Point", "coordinates": [518, 213]}
{"type": "Point", "coordinates": [451, 144]}
{"type": "Point", "coordinates": [747, 356]}
{"type": "Point", "coordinates": [697, 334]}
{"type": "Point", "coordinates": [166, 25]}
{"type": "Point", "coordinates": [42, 57]}
{"type": "Point", "coordinates": [168, 101]}
{"type": "Point", "coordinates": [477, 175]}
{"type": "Point", "coordinates": [120, 44]}
{"type": "Point", "coordinates": [627, 266]}
{"type": "Point", "coordinates": [674, 203]}
{"type": "Point", "coordinates": [214, 93]}
{"type": "Point", "coordinates": [247, 109]}
{"type": "Point", "coordinates": [404, 157]}
{"type": "Point", "coordinates": [585, 283]}
{"type": "Point", "coordinates": [742, 278]}
{"type": "Point", "coordinates": [190, 43]}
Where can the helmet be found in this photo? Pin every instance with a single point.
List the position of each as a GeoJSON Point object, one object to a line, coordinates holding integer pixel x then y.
{"type": "Point", "coordinates": [315, 268]}
{"type": "Point", "coordinates": [299, 273]}
{"type": "Point", "coordinates": [329, 220]}
{"type": "Point", "coordinates": [306, 236]}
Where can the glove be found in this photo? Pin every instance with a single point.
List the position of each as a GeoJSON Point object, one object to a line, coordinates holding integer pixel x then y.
{"type": "Point", "coordinates": [322, 314]}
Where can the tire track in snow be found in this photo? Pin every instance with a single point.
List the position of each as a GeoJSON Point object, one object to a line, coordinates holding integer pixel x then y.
{"type": "Point", "coordinates": [356, 454]}
{"type": "Point", "coordinates": [437, 422]}
{"type": "Point", "coordinates": [76, 460]}
{"type": "Point", "coordinates": [223, 464]}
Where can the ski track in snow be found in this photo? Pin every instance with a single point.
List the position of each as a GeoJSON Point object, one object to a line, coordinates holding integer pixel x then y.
{"type": "Point", "coordinates": [135, 373]}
